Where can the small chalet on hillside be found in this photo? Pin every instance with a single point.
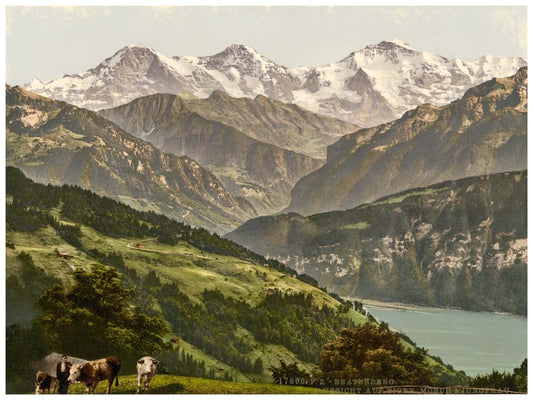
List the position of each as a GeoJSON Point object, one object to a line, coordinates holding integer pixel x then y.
{"type": "Point", "coordinates": [63, 254]}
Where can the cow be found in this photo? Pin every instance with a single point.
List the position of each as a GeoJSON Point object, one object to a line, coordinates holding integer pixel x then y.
{"type": "Point", "coordinates": [43, 382]}
{"type": "Point", "coordinates": [93, 372]}
{"type": "Point", "coordinates": [146, 368]}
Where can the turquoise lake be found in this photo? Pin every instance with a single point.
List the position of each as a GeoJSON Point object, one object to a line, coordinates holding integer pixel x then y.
{"type": "Point", "coordinates": [473, 342]}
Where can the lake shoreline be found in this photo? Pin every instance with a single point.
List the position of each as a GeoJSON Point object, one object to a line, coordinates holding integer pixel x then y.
{"type": "Point", "coordinates": [471, 341]}
{"type": "Point", "coordinates": [417, 307]}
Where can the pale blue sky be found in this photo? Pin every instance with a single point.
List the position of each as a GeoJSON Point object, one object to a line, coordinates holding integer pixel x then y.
{"type": "Point", "coordinates": [48, 42]}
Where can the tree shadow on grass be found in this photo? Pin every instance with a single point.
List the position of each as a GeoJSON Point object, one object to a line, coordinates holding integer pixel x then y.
{"type": "Point", "coordinates": [171, 388]}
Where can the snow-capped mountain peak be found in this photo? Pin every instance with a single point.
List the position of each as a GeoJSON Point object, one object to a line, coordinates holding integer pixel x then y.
{"type": "Point", "coordinates": [401, 43]}
{"type": "Point", "coordinates": [35, 84]}
{"type": "Point", "coordinates": [138, 45]}
{"type": "Point", "coordinates": [391, 45]}
{"type": "Point", "coordinates": [375, 84]}
{"type": "Point", "coordinates": [239, 49]}
{"type": "Point", "coordinates": [388, 50]}
{"type": "Point", "coordinates": [238, 56]}
{"type": "Point", "coordinates": [381, 53]}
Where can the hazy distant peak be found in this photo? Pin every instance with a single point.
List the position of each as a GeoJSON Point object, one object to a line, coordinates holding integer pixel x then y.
{"type": "Point", "coordinates": [382, 48]}
{"type": "Point", "coordinates": [35, 83]}
{"type": "Point", "coordinates": [137, 48]}
{"type": "Point", "coordinates": [129, 51]}
{"type": "Point", "coordinates": [399, 43]}
{"type": "Point", "coordinates": [240, 47]}
{"type": "Point", "coordinates": [375, 84]}
{"type": "Point", "coordinates": [239, 50]}
{"type": "Point", "coordinates": [239, 55]}
{"type": "Point", "coordinates": [392, 45]}
{"type": "Point", "coordinates": [138, 45]}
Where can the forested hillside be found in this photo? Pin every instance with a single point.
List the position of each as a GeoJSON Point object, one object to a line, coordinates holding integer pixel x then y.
{"type": "Point", "coordinates": [459, 244]}
{"type": "Point", "coordinates": [237, 314]}
{"type": "Point", "coordinates": [194, 281]}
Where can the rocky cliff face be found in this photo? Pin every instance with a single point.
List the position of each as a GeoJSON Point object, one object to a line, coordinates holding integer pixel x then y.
{"type": "Point", "coordinates": [368, 87]}
{"type": "Point", "coordinates": [245, 143]}
{"type": "Point", "coordinates": [482, 133]}
{"type": "Point", "coordinates": [456, 244]}
{"type": "Point", "coordinates": [54, 142]}
{"type": "Point", "coordinates": [284, 125]}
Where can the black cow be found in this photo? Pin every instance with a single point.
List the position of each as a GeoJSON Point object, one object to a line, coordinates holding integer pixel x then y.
{"type": "Point", "coordinates": [44, 382]}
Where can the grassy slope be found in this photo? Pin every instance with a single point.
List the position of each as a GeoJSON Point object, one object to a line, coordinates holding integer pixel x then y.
{"type": "Point", "coordinates": [196, 270]}
{"type": "Point", "coordinates": [193, 269]}
{"type": "Point", "coordinates": [170, 384]}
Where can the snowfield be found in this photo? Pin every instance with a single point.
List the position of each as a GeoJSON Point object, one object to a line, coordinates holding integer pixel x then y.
{"type": "Point", "coordinates": [388, 78]}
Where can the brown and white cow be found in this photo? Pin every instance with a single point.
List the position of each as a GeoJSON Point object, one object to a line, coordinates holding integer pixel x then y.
{"type": "Point", "coordinates": [146, 369]}
{"type": "Point", "coordinates": [44, 382]}
{"type": "Point", "coordinates": [93, 372]}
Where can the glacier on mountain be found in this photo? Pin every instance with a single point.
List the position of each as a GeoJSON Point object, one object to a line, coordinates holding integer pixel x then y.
{"type": "Point", "coordinates": [370, 86]}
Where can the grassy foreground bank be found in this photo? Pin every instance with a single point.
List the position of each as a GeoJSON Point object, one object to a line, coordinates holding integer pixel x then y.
{"type": "Point", "coordinates": [172, 384]}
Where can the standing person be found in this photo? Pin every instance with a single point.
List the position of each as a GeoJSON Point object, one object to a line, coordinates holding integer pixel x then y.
{"type": "Point", "coordinates": [62, 373]}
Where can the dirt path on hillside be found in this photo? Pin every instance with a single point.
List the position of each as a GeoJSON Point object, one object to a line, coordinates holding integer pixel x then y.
{"type": "Point", "coordinates": [134, 246]}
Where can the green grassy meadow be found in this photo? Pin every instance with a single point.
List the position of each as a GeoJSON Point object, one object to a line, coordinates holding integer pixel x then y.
{"type": "Point", "coordinates": [171, 384]}
{"type": "Point", "coordinates": [193, 269]}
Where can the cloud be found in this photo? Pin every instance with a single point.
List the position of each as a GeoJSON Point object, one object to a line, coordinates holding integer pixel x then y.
{"type": "Point", "coordinates": [14, 13]}
{"type": "Point", "coordinates": [162, 13]}
{"type": "Point", "coordinates": [24, 15]}
{"type": "Point", "coordinates": [403, 15]}
{"type": "Point", "coordinates": [400, 15]}
{"type": "Point", "coordinates": [29, 14]}
{"type": "Point", "coordinates": [71, 12]}
{"type": "Point", "coordinates": [511, 22]}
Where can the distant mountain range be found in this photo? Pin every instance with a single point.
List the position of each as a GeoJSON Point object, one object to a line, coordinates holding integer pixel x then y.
{"type": "Point", "coordinates": [368, 87]}
{"type": "Point", "coordinates": [434, 206]}
{"type": "Point", "coordinates": [455, 244]}
{"type": "Point", "coordinates": [258, 148]}
{"type": "Point", "coordinates": [482, 133]}
{"type": "Point", "coordinates": [54, 142]}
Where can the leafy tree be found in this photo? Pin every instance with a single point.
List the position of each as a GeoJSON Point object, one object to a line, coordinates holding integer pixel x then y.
{"type": "Point", "coordinates": [20, 218]}
{"type": "Point", "coordinates": [23, 347]}
{"type": "Point", "coordinates": [22, 292]}
{"type": "Point", "coordinates": [258, 366]}
{"type": "Point", "coordinates": [288, 373]}
{"type": "Point", "coordinates": [70, 233]}
{"type": "Point", "coordinates": [151, 280]}
{"type": "Point", "coordinates": [517, 381]}
{"type": "Point", "coordinates": [35, 279]}
{"type": "Point", "coordinates": [520, 377]}
{"type": "Point", "coordinates": [95, 319]}
{"type": "Point", "coordinates": [184, 364]}
{"type": "Point", "coordinates": [494, 380]}
{"type": "Point", "coordinates": [373, 352]}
